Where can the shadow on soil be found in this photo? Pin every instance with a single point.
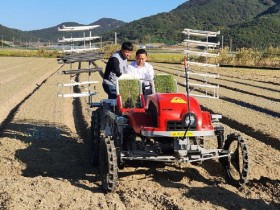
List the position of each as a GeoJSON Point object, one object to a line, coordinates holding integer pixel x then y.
{"type": "Point", "coordinates": [52, 152]}
{"type": "Point", "coordinates": [171, 176]}
{"type": "Point", "coordinates": [222, 197]}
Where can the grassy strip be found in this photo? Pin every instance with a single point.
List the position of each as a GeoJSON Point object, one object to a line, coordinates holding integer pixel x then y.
{"type": "Point", "coordinates": [269, 57]}
{"type": "Point", "coordinates": [166, 57]}
{"type": "Point", "coordinates": [243, 57]}
{"type": "Point", "coordinates": [11, 52]}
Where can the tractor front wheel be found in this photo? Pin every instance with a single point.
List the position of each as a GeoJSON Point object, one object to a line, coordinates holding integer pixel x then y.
{"type": "Point", "coordinates": [108, 167]}
{"type": "Point", "coordinates": [237, 163]}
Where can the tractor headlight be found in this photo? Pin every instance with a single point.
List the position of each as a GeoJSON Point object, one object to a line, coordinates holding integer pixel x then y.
{"type": "Point", "coordinates": [190, 119]}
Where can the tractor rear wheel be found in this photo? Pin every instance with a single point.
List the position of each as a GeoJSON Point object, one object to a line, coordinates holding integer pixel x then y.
{"type": "Point", "coordinates": [237, 164]}
{"type": "Point", "coordinates": [95, 137]}
{"type": "Point", "coordinates": [108, 166]}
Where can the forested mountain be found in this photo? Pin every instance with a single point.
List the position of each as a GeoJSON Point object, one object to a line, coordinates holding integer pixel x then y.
{"type": "Point", "coordinates": [260, 32]}
{"type": "Point", "coordinates": [10, 34]}
{"type": "Point", "coordinates": [52, 33]}
{"type": "Point", "coordinates": [243, 23]}
{"type": "Point", "coordinates": [106, 24]}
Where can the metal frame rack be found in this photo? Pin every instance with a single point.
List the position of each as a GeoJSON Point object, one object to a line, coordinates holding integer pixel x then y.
{"type": "Point", "coordinates": [73, 55]}
{"type": "Point", "coordinates": [83, 39]}
{"type": "Point", "coordinates": [198, 48]}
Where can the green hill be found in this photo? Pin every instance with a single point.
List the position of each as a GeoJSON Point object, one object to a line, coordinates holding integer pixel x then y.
{"type": "Point", "coordinates": [261, 32]}
{"type": "Point", "coordinates": [234, 18]}
{"type": "Point", "coordinates": [52, 33]}
{"type": "Point", "coordinates": [106, 24]}
{"type": "Point", "coordinates": [15, 36]}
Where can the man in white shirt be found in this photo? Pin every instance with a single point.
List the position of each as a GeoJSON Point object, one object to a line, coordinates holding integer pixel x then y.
{"type": "Point", "coordinates": [142, 69]}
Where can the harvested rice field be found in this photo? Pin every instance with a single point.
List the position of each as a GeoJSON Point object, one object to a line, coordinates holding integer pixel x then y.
{"type": "Point", "coordinates": [44, 145]}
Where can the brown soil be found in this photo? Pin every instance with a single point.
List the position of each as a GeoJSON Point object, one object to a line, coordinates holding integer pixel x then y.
{"type": "Point", "coordinates": [44, 152]}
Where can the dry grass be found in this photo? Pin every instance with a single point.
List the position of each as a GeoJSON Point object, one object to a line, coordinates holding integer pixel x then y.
{"type": "Point", "coordinates": [12, 52]}
{"type": "Point", "coordinates": [269, 57]}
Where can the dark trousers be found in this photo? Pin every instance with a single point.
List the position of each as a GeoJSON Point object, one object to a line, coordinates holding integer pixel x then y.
{"type": "Point", "coordinates": [110, 90]}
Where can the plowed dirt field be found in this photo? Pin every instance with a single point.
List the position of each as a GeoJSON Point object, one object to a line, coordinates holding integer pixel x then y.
{"type": "Point", "coordinates": [44, 145]}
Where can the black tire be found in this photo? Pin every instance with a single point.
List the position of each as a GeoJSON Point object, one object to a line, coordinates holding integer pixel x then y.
{"type": "Point", "coordinates": [237, 165]}
{"type": "Point", "coordinates": [95, 138]}
{"type": "Point", "coordinates": [108, 167]}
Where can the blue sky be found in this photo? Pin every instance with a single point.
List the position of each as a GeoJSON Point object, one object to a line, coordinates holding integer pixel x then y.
{"type": "Point", "coordinates": [38, 14]}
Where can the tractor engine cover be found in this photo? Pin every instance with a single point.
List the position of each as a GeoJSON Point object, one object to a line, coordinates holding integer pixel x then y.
{"type": "Point", "coordinates": [171, 110]}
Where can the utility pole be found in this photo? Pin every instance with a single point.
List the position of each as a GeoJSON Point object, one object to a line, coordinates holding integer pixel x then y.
{"type": "Point", "coordinates": [222, 42]}
{"type": "Point", "coordinates": [230, 45]}
{"type": "Point", "coordinates": [116, 38]}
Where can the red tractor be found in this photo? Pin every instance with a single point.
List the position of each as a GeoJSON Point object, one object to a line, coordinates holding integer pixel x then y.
{"type": "Point", "coordinates": [165, 126]}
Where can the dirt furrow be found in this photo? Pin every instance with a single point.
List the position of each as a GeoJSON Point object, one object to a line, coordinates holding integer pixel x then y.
{"type": "Point", "coordinates": [252, 120]}
{"type": "Point", "coordinates": [259, 91]}
{"type": "Point", "coordinates": [250, 76]}
{"type": "Point", "coordinates": [230, 77]}
{"type": "Point", "coordinates": [14, 93]}
{"type": "Point", "coordinates": [50, 162]}
{"type": "Point", "coordinates": [44, 161]}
